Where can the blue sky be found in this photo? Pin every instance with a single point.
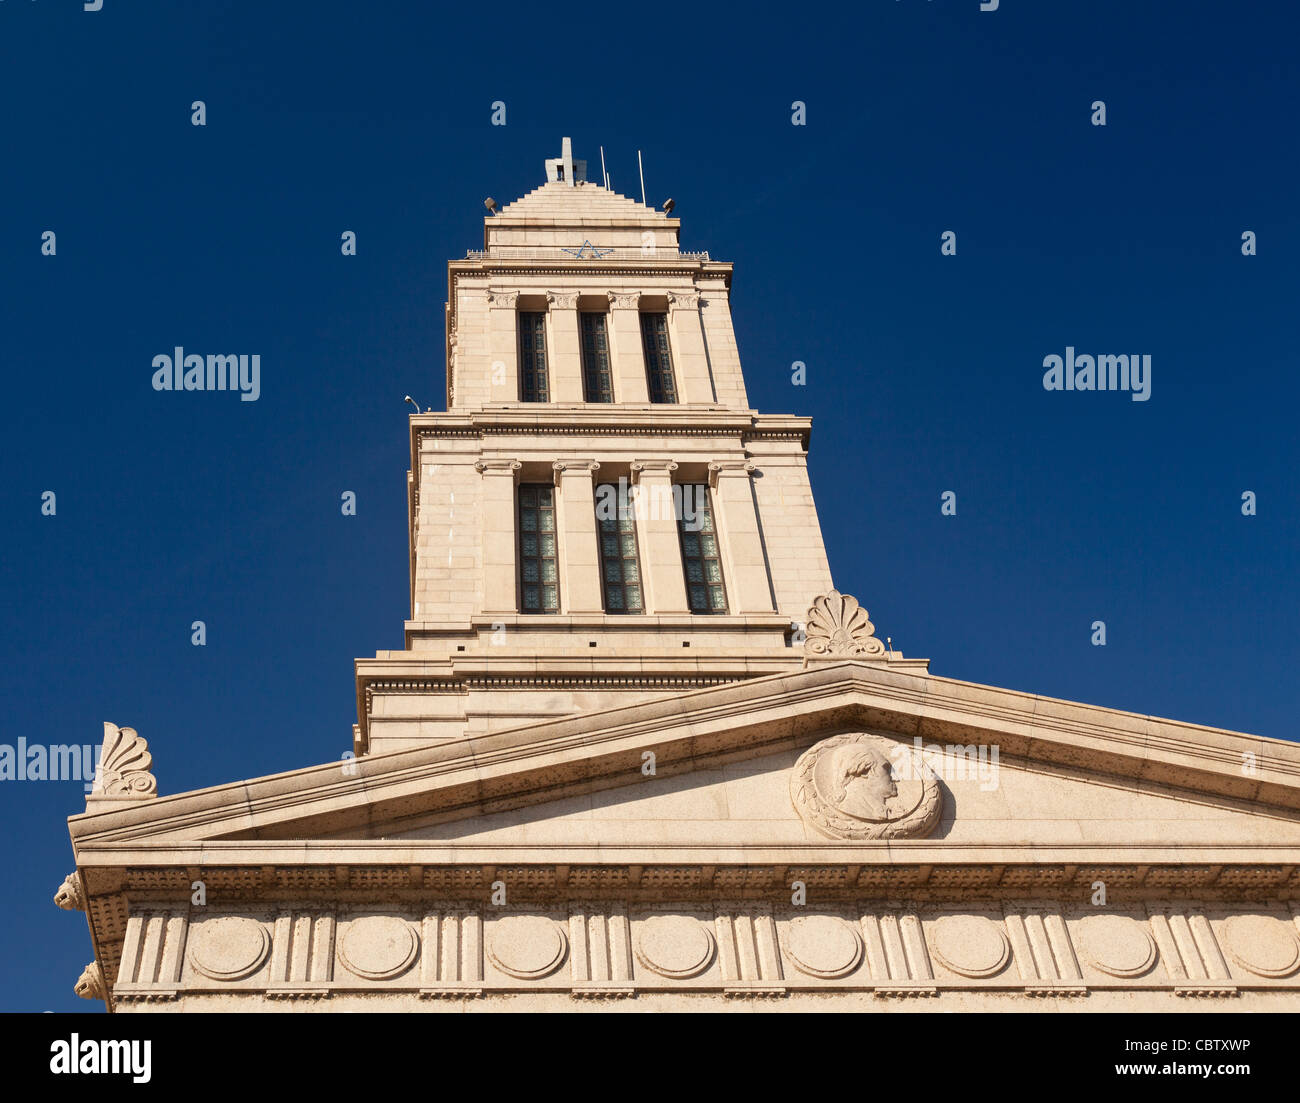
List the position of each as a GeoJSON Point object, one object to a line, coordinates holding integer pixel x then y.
{"type": "Point", "coordinates": [921, 118]}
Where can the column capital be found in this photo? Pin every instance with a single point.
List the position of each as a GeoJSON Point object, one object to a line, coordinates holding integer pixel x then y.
{"type": "Point", "coordinates": [624, 300]}
{"type": "Point", "coordinates": [498, 467]}
{"type": "Point", "coordinates": [563, 300]}
{"type": "Point", "coordinates": [564, 468]}
{"type": "Point", "coordinates": [718, 470]}
{"type": "Point", "coordinates": [683, 300]}
{"type": "Point", "coordinates": [502, 298]}
{"type": "Point", "coordinates": [652, 467]}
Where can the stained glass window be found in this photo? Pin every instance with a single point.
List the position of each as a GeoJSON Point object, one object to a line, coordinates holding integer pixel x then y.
{"type": "Point", "coordinates": [658, 360]}
{"type": "Point", "coordinates": [701, 558]}
{"type": "Point", "coordinates": [620, 572]}
{"type": "Point", "coordinates": [596, 383]}
{"type": "Point", "coordinates": [532, 358]}
{"type": "Point", "coordinates": [539, 578]}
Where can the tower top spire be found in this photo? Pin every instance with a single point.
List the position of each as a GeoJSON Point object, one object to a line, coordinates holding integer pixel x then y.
{"type": "Point", "coordinates": [564, 168]}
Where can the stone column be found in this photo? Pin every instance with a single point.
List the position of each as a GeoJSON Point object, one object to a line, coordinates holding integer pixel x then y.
{"type": "Point", "coordinates": [497, 506]}
{"type": "Point", "coordinates": [564, 356]}
{"type": "Point", "coordinates": [503, 346]}
{"type": "Point", "coordinates": [661, 550]}
{"type": "Point", "coordinates": [690, 361]}
{"type": "Point", "coordinates": [626, 354]}
{"type": "Point", "coordinates": [736, 519]}
{"type": "Point", "coordinates": [580, 590]}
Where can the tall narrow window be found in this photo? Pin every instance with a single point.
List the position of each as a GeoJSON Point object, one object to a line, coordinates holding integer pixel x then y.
{"type": "Point", "coordinates": [532, 358]}
{"type": "Point", "coordinates": [620, 572]}
{"type": "Point", "coordinates": [596, 384]}
{"type": "Point", "coordinates": [658, 360]}
{"type": "Point", "coordinates": [705, 592]}
{"type": "Point", "coordinates": [539, 578]}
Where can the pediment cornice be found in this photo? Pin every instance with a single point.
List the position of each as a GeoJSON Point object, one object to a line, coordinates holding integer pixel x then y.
{"type": "Point", "coordinates": [550, 759]}
{"type": "Point", "coordinates": [916, 870]}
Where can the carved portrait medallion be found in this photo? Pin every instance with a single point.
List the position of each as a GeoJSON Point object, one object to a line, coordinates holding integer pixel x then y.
{"type": "Point", "coordinates": [846, 787]}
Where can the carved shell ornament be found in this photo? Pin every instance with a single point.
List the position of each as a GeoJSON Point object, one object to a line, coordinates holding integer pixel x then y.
{"type": "Point", "coordinates": [838, 625]}
{"type": "Point", "coordinates": [124, 765]}
{"type": "Point", "coordinates": [864, 786]}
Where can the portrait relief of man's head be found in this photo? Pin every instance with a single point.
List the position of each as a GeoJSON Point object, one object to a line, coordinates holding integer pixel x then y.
{"type": "Point", "coordinates": [861, 782]}
{"type": "Point", "coordinates": [845, 787]}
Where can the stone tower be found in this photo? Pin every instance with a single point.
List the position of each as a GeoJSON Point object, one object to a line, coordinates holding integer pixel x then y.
{"type": "Point", "coordinates": [595, 391]}
{"type": "Point", "coordinates": [638, 753]}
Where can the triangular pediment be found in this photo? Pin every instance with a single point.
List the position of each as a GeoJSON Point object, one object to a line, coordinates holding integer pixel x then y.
{"type": "Point", "coordinates": [1065, 774]}
{"type": "Point", "coordinates": [985, 801]}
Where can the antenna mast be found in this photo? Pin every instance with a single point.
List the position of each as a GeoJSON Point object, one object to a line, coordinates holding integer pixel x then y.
{"type": "Point", "coordinates": [641, 170]}
{"type": "Point", "coordinates": [603, 173]}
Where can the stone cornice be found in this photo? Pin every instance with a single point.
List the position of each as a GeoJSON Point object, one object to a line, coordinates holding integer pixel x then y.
{"type": "Point", "coordinates": [919, 854]}
{"type": "Point", "coordinates": [651, 667]}
{"type": "Point", "coordinates": [550, 759]}
{"type": "Point", "coordinates": [910, 869]}
{"type": "Point", "coordinates": [579, 416]}
{"type": "Point", "coordinates": [612, 421]}
{"type": "Point", "coordinates": [714, 623]}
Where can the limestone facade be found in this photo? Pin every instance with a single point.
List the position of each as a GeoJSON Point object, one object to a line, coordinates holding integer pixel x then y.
{"type": "Point", "coordinates": [571, 250]}
{"type": "Point", "coordinates": [750, 804]}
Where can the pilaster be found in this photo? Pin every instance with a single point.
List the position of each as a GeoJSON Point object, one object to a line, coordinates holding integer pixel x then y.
{"type": "Point", "coordinates": [661, 558]}
{"type": "Point", "coordinates": [564, 359]}
{"type": "Point", "coordinates": [500, 592]}
{"type": "Point", "coordinates": [736, 518]}
{"type": "Point", "coordinates": [625, 349]}
{"type": "Point", "coordinates": [580, 590]}
{"type": "Point", "coordinates": [503, 346]}
{"type": "Point", "coordinates": [691, 361]}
